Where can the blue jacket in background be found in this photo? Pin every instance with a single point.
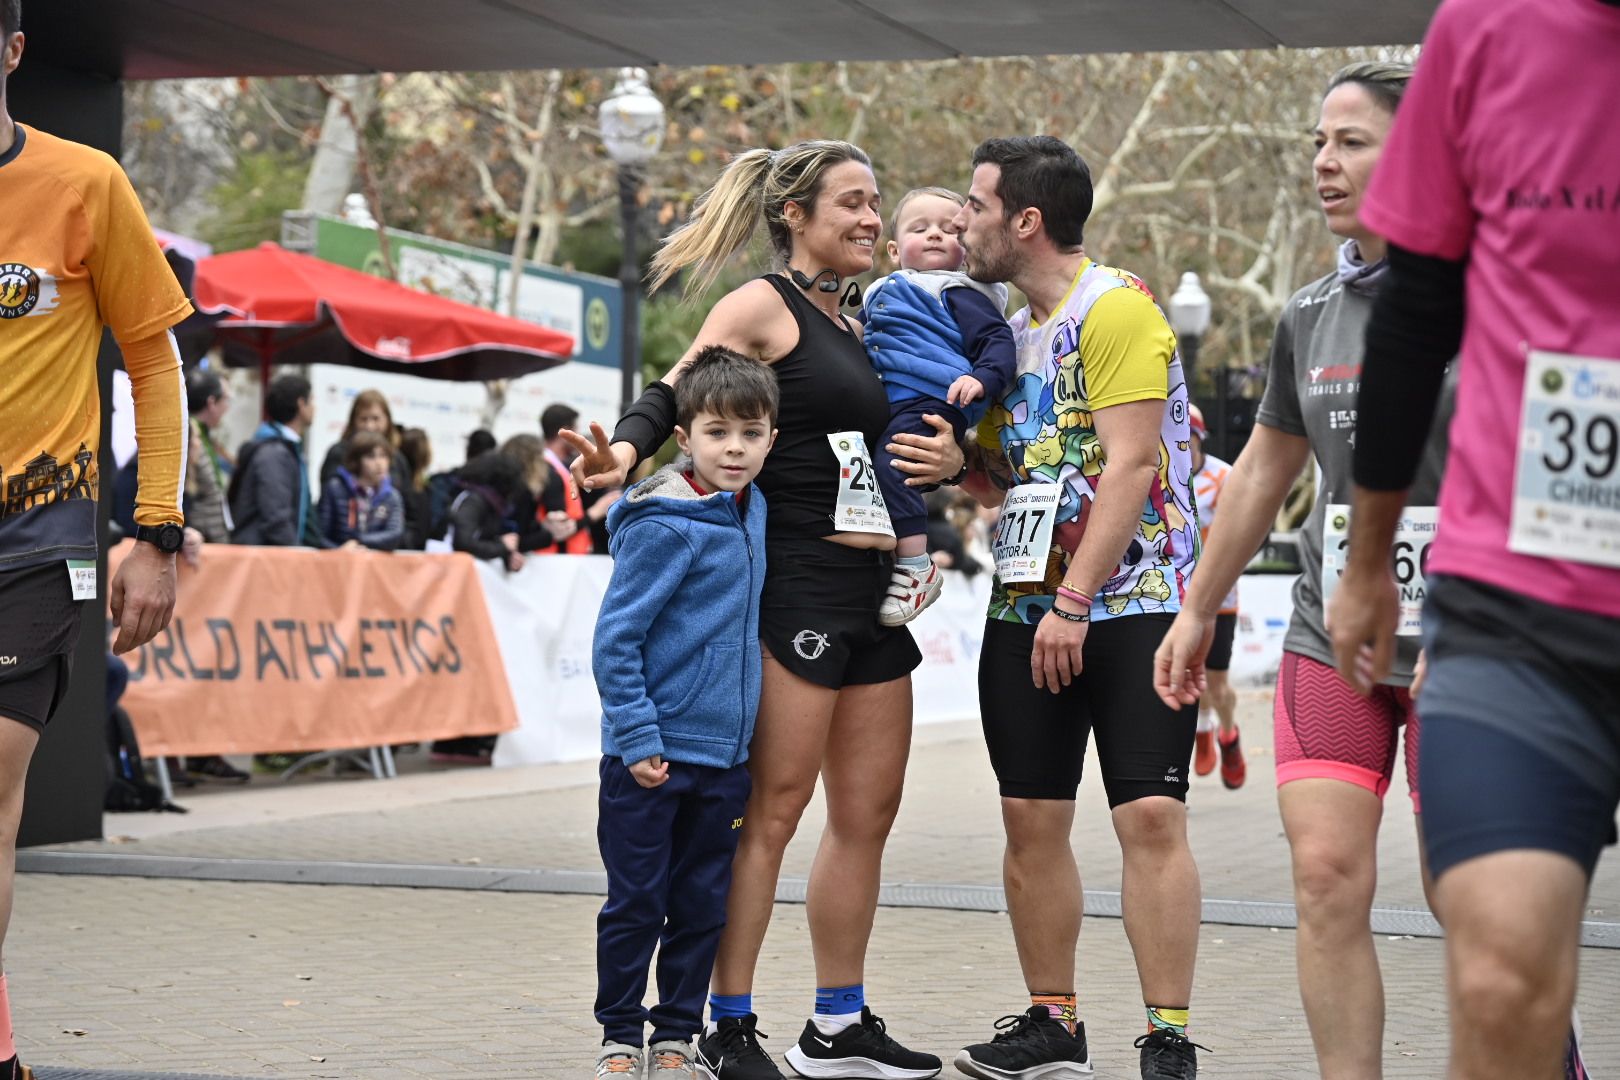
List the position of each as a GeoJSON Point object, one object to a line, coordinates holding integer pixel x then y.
{"type": "Point", "coordinates": [925, 328]}
{"type": "Point", "coordinates": [676, 654]}
{"type": "Point", "coordinates": [376, 520]}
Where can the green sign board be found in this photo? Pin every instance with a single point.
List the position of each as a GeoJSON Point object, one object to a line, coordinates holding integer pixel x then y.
{"type": "Point", "coordinates": [585, 307]}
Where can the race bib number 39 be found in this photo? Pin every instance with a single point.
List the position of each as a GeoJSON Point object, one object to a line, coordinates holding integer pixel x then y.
{"type": "Point", "coordinates": [1413, 535]}
{"type": "Point", "coordinates": [1023, 539]}
{"type": "Point", "coordinates": [860, 507]}
{"type": "Point", "coordinates": [1566, 489]}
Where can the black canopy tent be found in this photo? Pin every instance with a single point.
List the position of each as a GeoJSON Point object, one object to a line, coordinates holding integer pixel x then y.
{"type": "Point", "coordinates": [79, 51]}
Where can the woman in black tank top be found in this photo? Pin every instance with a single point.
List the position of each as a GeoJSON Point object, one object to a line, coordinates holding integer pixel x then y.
{"type": "Point", "coordinates": [836, 696]}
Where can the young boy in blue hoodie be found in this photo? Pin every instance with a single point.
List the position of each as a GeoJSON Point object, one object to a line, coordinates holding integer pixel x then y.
{"type": "Point", "coordinates": [677, 663]}
{"type": "Point", "coordinates": [939, 340]}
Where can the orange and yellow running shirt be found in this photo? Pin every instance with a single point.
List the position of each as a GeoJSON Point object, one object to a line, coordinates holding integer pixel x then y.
{"type": "Point", "coordinates": [77, 255]}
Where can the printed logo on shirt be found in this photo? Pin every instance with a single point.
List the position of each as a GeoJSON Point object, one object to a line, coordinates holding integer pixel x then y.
{"type": "Point", "coordinates": [1332, 380]}
{"type": "Point", "coordinates": [20, 290]}
{"type": "Point", "coordinates": [809, 644]}
{"type": "Point", "coordinates": [43, 481]}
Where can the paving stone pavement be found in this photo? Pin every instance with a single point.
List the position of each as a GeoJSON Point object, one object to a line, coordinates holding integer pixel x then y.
{"type": "Point", "coordinates": [332, 981]}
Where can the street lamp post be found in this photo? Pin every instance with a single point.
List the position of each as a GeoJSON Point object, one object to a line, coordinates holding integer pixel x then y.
{"type": "Point", "coordinates": [632, 123]}
{"type": "Point", "coordinates": [1189, 318]}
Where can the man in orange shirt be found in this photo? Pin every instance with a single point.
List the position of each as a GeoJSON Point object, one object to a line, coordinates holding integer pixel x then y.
{"type": "Point", "coordinates": [76, 257]}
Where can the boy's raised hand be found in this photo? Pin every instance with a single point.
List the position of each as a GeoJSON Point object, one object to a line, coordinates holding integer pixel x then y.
{"type": "Point", "coordinates": [651, 772]}
{"type": "Point", "coordinates": [964, 391]}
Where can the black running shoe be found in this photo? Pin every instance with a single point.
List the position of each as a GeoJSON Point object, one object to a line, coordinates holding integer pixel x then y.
{"type": "Point", "coordinates": [862, 1051]}
{"type": "Point", "coordinates": [1168, 1056]}
{"type": "Point", "coordinates": [733, 1052]}
{"type": "Point", "coordinates": [1033, 1045]}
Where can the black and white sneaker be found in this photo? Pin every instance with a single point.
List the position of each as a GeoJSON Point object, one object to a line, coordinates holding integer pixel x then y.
{"type": "Point", "coordinates": [1033, 1045]}
{"type": "Point", "coordinates": [1168, 1056]}
{"type": "Point", "coordinates": [862, 1051]}
{"type": "Point", "coordinates": [733, 1052]}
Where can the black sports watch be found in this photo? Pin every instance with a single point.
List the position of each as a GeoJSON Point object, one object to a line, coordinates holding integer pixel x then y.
{"type": "Point", "coordinates": [166, 538]}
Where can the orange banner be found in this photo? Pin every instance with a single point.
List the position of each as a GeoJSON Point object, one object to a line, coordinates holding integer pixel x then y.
{"type": "Point", "coordinates": [275, 650]}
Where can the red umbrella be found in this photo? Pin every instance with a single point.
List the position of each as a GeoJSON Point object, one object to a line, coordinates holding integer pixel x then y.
{"type": "Point", "coordinates": [285, 308]}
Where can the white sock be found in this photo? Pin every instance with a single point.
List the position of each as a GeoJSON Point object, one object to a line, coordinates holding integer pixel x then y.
{"type": "Point", "coordinates": [915, 563]}
{"type": "Point", "coordinates": [833, 1024]}
{"type": "Point", "coordinates": [1206, 720]}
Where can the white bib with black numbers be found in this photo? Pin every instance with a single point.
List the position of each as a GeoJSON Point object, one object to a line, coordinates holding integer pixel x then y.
{"type": "Point", "coordinates": [1023, 538]}
{"type": "Point", "coordinates": [1410, 556]}
{"type": "Point", "coordinates": [1566, 484]}
{"type": "Point", "coordinates": [860, 507]}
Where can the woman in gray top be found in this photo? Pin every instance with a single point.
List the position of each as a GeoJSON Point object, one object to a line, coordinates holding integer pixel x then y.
{"type": "Point", "coordinates": [1335, 750]}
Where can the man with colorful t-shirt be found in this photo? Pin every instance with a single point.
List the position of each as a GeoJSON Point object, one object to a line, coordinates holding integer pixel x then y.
{"type": "Point", "coordinates": [76, 256]}
{"type": "Point", "coordinates": [1498, 195]}
{"type": "Point", "coordinates": [1096, 539]}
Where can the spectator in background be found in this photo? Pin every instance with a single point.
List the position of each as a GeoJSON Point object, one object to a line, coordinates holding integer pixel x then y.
{"type": "Point", "coordinates": [360, 507]}
{"type": "Point", "coordinates": [442, 488]}
{"type": "Point", "coordinates": [564, 509]}
{"type": "Point", "coordinates": [947, 541]}
{"type": "Point", "coordinates": [418, 453]}
{"type": "Point", "coordinates": [207, 468]}
{"type": "Point", "coordinates": [481, 522]}
{"type": "Point", "coordinates": [530, 454]}
{"type": "Point", "coordinates": [370, 413]}
{"type": "Point", "coordinates": [269, 491]}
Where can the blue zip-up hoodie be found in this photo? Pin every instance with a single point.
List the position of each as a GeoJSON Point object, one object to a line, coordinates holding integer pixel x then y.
{"type": "Point", "coordinates": [916, 344]}
{"type": "Point", "coordinates": [676, 654]}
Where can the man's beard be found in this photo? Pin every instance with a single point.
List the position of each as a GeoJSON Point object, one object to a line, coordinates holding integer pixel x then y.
{"type": "Point", "coordinates": [993, 262]}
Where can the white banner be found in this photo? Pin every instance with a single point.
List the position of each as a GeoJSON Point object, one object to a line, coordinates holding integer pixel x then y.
{"type": "Point", "coordinates": [545, 616]}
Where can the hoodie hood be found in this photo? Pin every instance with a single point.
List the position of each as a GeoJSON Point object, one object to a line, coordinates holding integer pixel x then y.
{"type": "Point", "coordinates": [669, 492]}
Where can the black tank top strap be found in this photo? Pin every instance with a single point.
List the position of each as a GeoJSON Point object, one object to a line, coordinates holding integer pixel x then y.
{"type": "Point", "coordinates": [801, 305]}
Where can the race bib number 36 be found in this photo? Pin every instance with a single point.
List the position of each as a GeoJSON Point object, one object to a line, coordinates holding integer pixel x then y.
{"type": "Point", "coordinates": [1413, 535]}
{"type": "Point", "coordinates": [860, 507]}
{"type": "Point", "coordinates": [1566, 489]}
{"type": "Point", "coordinates": [1023, 538]}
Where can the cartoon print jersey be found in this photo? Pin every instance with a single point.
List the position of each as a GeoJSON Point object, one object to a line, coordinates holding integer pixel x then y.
{"type": "Point", "coordinates": [76, 255]}
{"type": "Point", "coordinates": [1107, 343]}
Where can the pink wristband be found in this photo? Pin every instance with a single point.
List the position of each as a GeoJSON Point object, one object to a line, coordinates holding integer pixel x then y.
{"type": "Point", "coordinates": [1075, 595]}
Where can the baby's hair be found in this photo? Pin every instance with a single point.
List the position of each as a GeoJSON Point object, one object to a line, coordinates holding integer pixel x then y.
{"type": "Point", "coordinates": [900, 207]}
{"type": "Point", "coordinates": [725, 383]}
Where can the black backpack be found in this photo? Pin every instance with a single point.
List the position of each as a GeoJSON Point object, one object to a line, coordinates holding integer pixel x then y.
{"type": "Point", "coordinates": [128, 789]}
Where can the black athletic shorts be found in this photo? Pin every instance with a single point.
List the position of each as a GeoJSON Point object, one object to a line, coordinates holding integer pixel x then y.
{"type": "Point", "coordinates": [39, 629]}
{"type": "Point", "coordinates": [1220, 649]}
{"type": "Point", "coordinates": [1037, 739]}
{"type": "Point", "coordinates": [818, 614]}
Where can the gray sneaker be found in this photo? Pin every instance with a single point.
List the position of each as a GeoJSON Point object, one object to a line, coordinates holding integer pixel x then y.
{"type": "Point", "coordinates": [618, 1061]}
{"type": "Point", "coordinates": [670, 1059]}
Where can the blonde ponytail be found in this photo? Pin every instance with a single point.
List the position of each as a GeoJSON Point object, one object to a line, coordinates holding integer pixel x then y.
{"type": "Point", "coordinates": [757, 184]}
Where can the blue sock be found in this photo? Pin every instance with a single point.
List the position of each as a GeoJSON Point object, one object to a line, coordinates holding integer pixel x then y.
{"type": "Point", "coordinates": [918, 563]}
{"type": "Point", "coordinates": [734, 1005]}
{"type": "Point", "coordinates": [837, 1007]}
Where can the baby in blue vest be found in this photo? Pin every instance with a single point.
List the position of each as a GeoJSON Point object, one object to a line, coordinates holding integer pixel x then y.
{"type": "Point", "coordinates": [942, 346]}
{"type": "Point", "coordinates": [677, 663]}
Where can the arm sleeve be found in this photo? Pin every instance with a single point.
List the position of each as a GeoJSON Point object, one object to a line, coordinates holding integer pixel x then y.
{"type": "Point", "coordinates": [389, 534]}
{"type": "Point", "coordinates": [1419, 196]}
{"type": "Point", "coordinates": [986, 339]}
{"type": "Point", "coordinates": [161, 434]}
{"type": "Point", "coordinates": [1126, 346]}
{"type": "Point", "coordinates": [1279, 407]}
{"type": "Point", "coordinates": [649, 422]}
{"type": "Point", "coordinates": [1416, 328]}
{"type": "Point", "coordinates": [649, 562]}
